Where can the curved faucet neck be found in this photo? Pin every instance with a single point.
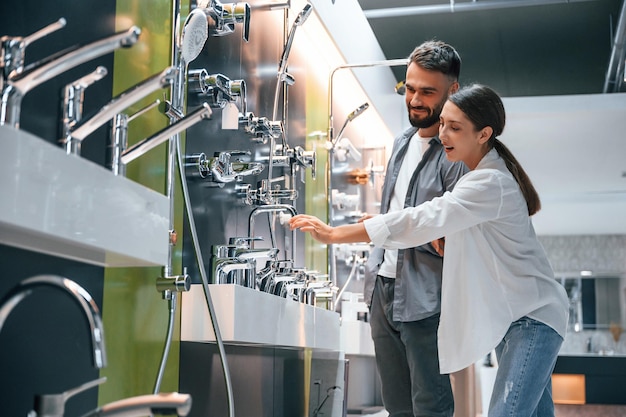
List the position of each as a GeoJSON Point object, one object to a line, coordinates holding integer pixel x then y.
{"type": "Point", "coordinates": [79, 294]}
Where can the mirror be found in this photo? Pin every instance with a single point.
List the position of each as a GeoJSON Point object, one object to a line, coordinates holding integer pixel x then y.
{"type": "Point", "coordinates": [596, 302]}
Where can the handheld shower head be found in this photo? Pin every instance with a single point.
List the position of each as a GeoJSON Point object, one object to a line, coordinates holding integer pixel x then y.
{"type": "Point", "coordinates": [353, 115]}
{"type": "Point", "coordinates": [303, 15]}
{"type": "Point", "coordinates": [194, 35]}
{"type": "Point", "coordinates": [357, 112]}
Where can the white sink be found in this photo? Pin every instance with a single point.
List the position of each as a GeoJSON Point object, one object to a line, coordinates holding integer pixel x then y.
{"type": "Point", "coordinates": [64, 205]}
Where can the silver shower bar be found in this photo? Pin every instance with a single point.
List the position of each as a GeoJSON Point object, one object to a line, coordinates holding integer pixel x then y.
{"type": "Point", "coordinates": [459, 7]}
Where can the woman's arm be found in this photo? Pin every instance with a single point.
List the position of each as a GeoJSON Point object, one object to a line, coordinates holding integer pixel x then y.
{"type": "Point", "coordinates": [320, 231]}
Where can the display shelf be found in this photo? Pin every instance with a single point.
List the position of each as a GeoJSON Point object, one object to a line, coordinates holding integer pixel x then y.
{"type": "Point", "coordinates": [248, 316]}
{"type": "Point", "coordinates": [67, 206]}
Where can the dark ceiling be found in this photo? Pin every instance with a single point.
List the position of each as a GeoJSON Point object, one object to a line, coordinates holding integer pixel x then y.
{"type": "Point", "coordinates": [518, 47]}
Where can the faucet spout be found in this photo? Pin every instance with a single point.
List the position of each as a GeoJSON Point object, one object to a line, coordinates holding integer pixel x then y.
{"type": "Point", "coordinates": [121, 102]}
{"type": "Point", "coordinates": [202, 113]}
{"type": "Point", "coordinates": [145, 405]}
{"type": "Point", "coordinates": [84, 299]}
{"type": "Point", "coordinates": [20, 83]}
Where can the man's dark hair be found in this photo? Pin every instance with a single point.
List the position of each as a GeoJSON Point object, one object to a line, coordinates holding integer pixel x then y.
{"type": "Point", "coordinates": [437, 56]}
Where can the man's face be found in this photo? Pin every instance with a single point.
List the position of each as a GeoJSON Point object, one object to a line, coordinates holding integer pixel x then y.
{"type": "Point", "coordinates": [426, 93]}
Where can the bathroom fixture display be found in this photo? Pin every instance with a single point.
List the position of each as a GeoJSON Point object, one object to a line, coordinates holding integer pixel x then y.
{"type": "Point", "coordinates": [284, 79]}
{"type": "Point", "coordinates": [78, 132]}
{"type": "Point", "coordinates": [146, 405]}
{"type": "Point", "coordinates": [133, 152]}
{"type": "Point", "coordinates": [18, 82]}
{"type": "Point", "coordinates": [224, 17]}
{"type": "Point", "coordinates": [78, 293]}
{"type": "Point", "coordinates": [223, 167]}
{"type": "Point", "coordinates": [333, 139]}
{"type": "Point", "coordinates": [119, 137]}
{"type": "Point", "coordinates": [273, 209]}
{"type": "Point", "coordinates": [220, 89]}
{"type": "Point", "coordinates": [261, 128]}
{"type": "Point", "coordinates": [284, 322]}
{"type": "Point", "coordinates": [74, 96]}
{"type": "Point", "coordinates": [50, 205]}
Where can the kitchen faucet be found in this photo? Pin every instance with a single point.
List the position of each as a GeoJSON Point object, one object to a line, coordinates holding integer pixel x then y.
{"type": "Point", "coordinates": [89, 307]}
{"type": "Point", "coordinates": [78, 132]}
{"type": "Point", "coordinates": [19, 81]}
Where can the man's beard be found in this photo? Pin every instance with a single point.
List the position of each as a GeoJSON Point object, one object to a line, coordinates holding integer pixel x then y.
{"type": "Point", "coordinates": [431, 119]}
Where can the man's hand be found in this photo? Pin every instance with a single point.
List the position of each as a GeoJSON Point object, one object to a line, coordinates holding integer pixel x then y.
{"type": "Point", "coordinates": [439, 245]}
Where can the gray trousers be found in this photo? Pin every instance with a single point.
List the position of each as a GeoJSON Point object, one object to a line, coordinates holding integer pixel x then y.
{"type": "Point", "coordinates": [408, 361]}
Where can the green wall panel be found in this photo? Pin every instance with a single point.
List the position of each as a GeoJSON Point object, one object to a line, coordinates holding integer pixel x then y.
{"type": "Point", "coordinates": [135, 314]}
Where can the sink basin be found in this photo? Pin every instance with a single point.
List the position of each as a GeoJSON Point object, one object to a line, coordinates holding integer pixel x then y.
{"type": "Point", "coordinates": [67, 206]}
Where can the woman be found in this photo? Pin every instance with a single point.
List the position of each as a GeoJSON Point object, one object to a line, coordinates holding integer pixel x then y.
{"type": "Point", "coordinates": [498, 287]}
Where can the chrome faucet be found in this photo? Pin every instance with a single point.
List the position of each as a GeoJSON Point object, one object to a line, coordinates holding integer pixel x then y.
{"type": "Point", "coordinates": [27, 286]}
{"type": "Point", "coordinates": [261, 128]}
{"type": "Point", "coordinates": [225, 16]}
{"type": "Point", "coordinates": [220, 89]}
{"type": "Point", "coordinates": [145, 405]}
{"type": "Point", "coordinates": [234, 271]}
{"type": "Point", "coordinates": [119, 137]}
{"type": "Point", "coordinates": [78, 132]}
{"type": "Point", "coordinates": [14, 48]}
{"type": "Point", "coordinates": [223, 169]}
{"type": "Point", "coordinates": [202, 113]}
{"type": "Point", "coordinates": [19, 82]}
{"type": "Point", "coordinates": [74, 96]}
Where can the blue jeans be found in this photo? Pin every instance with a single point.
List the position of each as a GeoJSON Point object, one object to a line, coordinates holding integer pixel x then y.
{"type": "Point", "coordinates": [408, 360]}
{"type": "Point", "coordinates": [526, 358]}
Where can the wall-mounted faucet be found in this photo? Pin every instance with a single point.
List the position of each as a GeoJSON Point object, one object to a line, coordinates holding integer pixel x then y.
{"type": "Point", "coordinates": [19, 82]}
{"type": "Point", "coordinates": [261, 128]}
{"type": "Point", "coordinates": [223, 168]}
{"type": "Point", "coordinates": [78, 132]}
{"type": "Point", "coordinates": [79, 294]}
{"type": "Point", "coordinates": [224, 16]}
{"type": "Point", "coordinates": [220, 89]}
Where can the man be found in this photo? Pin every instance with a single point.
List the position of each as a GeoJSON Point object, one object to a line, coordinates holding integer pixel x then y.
{"type": "Point", "coordinates": [403, 288]}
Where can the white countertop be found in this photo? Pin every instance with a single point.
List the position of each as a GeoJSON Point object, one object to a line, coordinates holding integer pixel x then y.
{"type": "Point", "coordinates": [248, 316]}
{"type": "Point", "coordinates": [64, 205]}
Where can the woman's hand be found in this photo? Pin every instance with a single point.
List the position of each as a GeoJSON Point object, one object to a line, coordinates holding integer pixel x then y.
{"type": "Point", "coordinates": [319, 230]}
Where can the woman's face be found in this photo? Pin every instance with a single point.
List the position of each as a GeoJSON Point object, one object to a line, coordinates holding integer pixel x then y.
{"type": "Point", "coordinates": [461, 141]}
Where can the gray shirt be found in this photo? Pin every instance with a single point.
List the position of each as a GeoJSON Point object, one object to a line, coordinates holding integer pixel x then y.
{"type": "Point", "coordinates": [418, 277]}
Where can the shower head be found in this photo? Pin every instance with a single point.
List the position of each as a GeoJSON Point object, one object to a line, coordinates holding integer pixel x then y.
{"type": "Point", "coordinates": [300, 19]}
{"type": "Point", "coordinates": [353, 115]}
{"type": "Point", "coordinates": [194, 35]}
{"type": "Point", "coordinates": [304, 14]}
{"type": "Point", "coordinates": [357, 112]}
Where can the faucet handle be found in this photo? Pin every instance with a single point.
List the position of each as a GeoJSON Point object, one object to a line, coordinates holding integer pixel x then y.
{"type": "Point", "coordinates": [13, 47]}
{"type": "Point", "coordinates": [53, 405]}
{"type": "Point", "coordinates": [239, 13]}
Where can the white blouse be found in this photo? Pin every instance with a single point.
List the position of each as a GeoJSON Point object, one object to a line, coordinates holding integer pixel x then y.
{"type": "Point", "coordinates": [495, 271]}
